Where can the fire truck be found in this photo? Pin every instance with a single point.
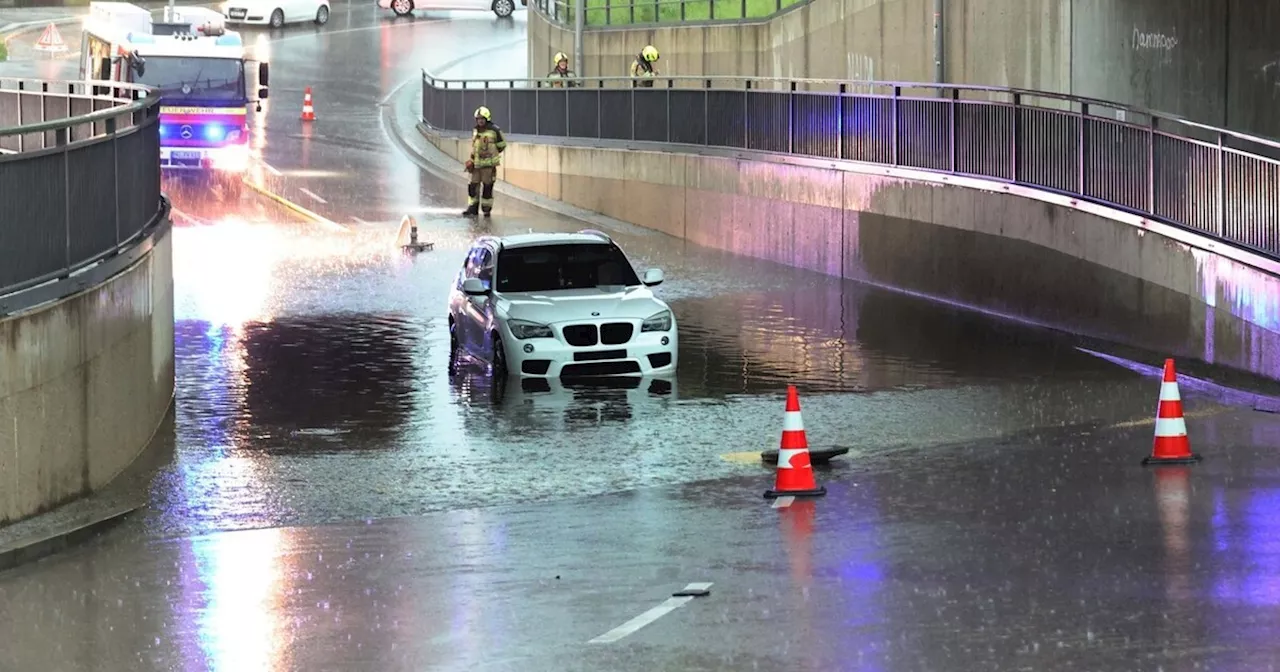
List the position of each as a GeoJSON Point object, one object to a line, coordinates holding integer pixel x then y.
{"type": "Point", "coordinates": [201, 72]}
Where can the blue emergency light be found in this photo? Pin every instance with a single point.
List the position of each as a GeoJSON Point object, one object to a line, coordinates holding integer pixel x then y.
{"type": "Point", "coordinates": [140, 38]}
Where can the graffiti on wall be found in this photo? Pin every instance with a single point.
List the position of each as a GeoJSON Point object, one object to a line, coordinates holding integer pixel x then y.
{"type": "Point", "coordinates": [1161, 44]}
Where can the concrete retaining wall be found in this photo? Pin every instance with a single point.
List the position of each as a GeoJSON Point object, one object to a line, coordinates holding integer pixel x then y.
{"type": "Point", "coordinates": [83, 385]}
{"type": "Point", "coordinates": [1053, 264]}
{"type": "Point", "coordinates": [1211, 60]}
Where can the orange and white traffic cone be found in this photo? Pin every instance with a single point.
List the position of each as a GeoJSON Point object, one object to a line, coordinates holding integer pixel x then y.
{"type": "Point", "coordinates": [1171, 443]}
{"type": "Point", "coordinates": [308, 112]}
{"type": "Point", "coordinates": [795, 473]}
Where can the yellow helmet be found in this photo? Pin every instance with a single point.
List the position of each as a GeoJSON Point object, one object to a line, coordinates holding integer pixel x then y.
{"type": "Point", "coordinates": [649, 53]}
{"type": "Point", "coordinates": [482, 112]}
{"type": "Point", "coordinates": [560, 56]}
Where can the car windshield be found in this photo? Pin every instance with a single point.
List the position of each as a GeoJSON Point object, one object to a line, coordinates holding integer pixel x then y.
{"type": "Point", "coordinates": [545, 268]}
{"type": "Point", "coordinates": [195, 80]}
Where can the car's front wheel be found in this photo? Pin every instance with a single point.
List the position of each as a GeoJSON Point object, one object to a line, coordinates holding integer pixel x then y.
{"type": "Point", "coordinates": [504, 8]}
{"type": "Point", "coordinates": [277, 19]}
{"type": "Point", "coordinates": [322, 15]}
{"type": "Point", "coordinates": [402, 7]}
{"type": "Point", "coordinates": [498, 362]}
{"type": "Point", "coordinates": [453, 347]}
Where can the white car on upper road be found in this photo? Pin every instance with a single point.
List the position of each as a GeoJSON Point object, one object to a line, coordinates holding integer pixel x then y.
{"type": "Point", "coordinates": [503, 8]}
{"type": "Point", "coordinates": [275, 13]}
{"type": "Point", "coordinates": [559, 305]}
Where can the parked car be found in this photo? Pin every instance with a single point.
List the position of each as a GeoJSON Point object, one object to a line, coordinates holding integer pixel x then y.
{"type": "Point", "coordinates": [275, 13]}
{"type": "Point", "coordinates": [559, 305]}
{"type": "Point", "coordinates": [503, 8]}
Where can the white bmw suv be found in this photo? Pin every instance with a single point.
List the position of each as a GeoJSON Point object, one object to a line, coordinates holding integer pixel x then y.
{"type": "Point", "coordinates": [559, 305]}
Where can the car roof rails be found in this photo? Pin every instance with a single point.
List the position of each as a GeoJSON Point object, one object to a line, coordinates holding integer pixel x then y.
{"type": "Point", "coordinates": [596, 233]}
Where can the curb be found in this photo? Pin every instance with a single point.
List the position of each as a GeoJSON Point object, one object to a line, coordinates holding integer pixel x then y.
{"type": "Point", "coordinates": [29, 550]}
{"type": "Point", "coordinates": [290, 205]}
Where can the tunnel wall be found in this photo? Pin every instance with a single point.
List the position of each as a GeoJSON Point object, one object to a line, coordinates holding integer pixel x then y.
{"type": "Point", "coordinates": [84, 383]}
{"type": "Point", "coordinates": [1215, 61]}
{"type": "Point", "coordinates": [1018, 255]}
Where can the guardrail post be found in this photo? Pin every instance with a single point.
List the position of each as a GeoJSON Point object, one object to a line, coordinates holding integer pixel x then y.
{"type": "Point", "coordinates": [1221, 215]}
{"type": "Point", "coordinates": [791, 119]}
{"type": "Point", "coordinates": [951, 129]}
{"type": "Point", "coordinates": [746, 113]}
{"type": "Point", "coordinates": [841, 151]}
{"type": "Point", "coordinates": [115, 173]}
{"type": "Point", "coordinates": [1081, 153]}
{"type": "Point", "coordinates": [1013, 141]}
{"type": "Point", "coordinates": [1151, 165]}
{"type": "Point", "coordinates": [893, 106]}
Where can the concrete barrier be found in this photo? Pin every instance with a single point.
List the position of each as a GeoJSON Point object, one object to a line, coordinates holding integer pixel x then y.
{"type": "Point", "coordinates": [84, 382]}
{"type": "Point", "coordinates": [1030, 255]}
{"type": "Point", "coordinates": [1207, 60]}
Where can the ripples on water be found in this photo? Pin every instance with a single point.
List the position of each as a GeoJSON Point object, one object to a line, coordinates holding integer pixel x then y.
{"type": "Point", "coordinates": [312, 382]}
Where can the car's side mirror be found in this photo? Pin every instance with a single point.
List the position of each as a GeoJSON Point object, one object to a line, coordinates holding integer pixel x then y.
{"type": "Point", "coordinates": [262, 93]}
{"type": "Point", "coordinates": [653, 277]}
{"type": "Point", "coordinates": [473, 287]}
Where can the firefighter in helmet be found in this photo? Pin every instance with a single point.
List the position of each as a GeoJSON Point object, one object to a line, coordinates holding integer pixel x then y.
{"type": "Point", "coordinates": [642, 68]}
{"type": "Point", "coordinates": [562, 71]}
{"type": "Point", "coordinates": [487, 145]}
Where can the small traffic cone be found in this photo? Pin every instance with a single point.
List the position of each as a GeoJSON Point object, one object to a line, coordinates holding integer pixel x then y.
{"type": "Point", "coordinates": [308, 112]}
{"type": "Point", "coordinates": [795, 473]}
{"type": "Point", "coordinates": [1171, 443]}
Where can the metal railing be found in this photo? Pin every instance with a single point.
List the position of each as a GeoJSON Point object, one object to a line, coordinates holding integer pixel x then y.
{"type": "Point", "coordinates": [79, 177]}
{"type": "Point", "coordinates": [603, 13]}
{"type": "Point", "coordinates": [1210, 180]}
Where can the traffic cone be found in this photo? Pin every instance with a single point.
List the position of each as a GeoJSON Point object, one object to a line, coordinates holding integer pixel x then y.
{"type": "Point", "coordinates": [1171, 443]}
{"type": "Point", "coordinates": [308, 112]}
{"type": "Point", "coordinates": [795, 473]}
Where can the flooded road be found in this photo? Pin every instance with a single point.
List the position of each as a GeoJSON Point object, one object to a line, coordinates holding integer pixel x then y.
{"type": "Point", "coordinates": [990, 508]}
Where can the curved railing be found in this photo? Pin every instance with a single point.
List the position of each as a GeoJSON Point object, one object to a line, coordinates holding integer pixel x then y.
{"type": "Point", "coordinates": [79, 181]}
{"type": "Point", "coordinates": [1213, 181]}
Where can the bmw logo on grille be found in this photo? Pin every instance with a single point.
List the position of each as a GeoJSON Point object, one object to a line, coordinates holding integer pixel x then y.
{"type": "Point", "coordinates": [185, 132]}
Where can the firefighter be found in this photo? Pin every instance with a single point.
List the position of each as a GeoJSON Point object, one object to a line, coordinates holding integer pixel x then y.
{"type": "Point", "coordinates": [642, 68]}
{"type": "Point", "coordinates": [562, 71]}
{"type": "Point", "coordinates": [487, 145]}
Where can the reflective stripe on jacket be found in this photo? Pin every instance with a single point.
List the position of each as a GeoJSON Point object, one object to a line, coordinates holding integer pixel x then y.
{"type": "Point", "coordinates": [487, 146]}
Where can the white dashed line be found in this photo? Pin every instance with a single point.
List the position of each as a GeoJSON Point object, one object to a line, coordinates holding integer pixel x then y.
{"type": "Point", "coordinates": [357, 220]}
{"type": "Point", "coordinates": [312, 194]}
{"type": "Point", "coordinates": [783, 502]}
{"type": "Point", "coordinates": [648, 617]}
{"type": "Point", "coordinates": [272, 169]}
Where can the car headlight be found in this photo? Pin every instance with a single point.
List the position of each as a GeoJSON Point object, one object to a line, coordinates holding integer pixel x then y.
{"type": "Point", "coordinates": [659, 322]}
{"type": "Point", "coordinates": [522, 329]}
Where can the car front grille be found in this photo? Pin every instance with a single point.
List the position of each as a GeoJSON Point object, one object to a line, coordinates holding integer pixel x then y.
{"type": "Point", "coordinates": [616, 333]}
{"type": "Point", "coordinates": [580, 335]}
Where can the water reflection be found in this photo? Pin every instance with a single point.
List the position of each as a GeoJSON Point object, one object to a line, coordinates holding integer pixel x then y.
{"type": "Point", "coordinates": [542, 405]}
{"type": "Point", "coordinates": [305, 384]}
{"type": "Point", "coordinates": [237, 598]}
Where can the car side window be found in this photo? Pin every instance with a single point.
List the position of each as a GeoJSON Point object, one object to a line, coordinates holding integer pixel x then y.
{"type": "Point", "coordinates": [484, 269]}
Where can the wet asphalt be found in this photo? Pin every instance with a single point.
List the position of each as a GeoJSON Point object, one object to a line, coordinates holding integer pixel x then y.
{"type": "Point", "coordinates": [335, 500]}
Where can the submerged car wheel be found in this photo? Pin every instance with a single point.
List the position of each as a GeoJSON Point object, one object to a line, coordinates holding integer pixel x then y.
{"type": "Point", "coordinates": [322, 15]}
{"type": "Point", "coordinates": [504, 8]}
{"type": "Point", "coordinates": [499, 362]}
{"type": "Point", "coordinates": [402, 7]}
{"type": "Point", "coordinates": [277, 19]}
{"type": "Point", "coordinates": [453, 346]}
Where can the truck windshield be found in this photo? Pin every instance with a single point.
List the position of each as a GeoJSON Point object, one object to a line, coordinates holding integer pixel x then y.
{"type": "Point", "coordinates": [566, 266]}
{"type": "Point", "coordinates": [195, 80]}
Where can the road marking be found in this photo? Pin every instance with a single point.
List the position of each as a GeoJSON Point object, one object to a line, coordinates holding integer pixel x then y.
{"type": "Point", "coordinates": [272, 169]}
{"type": "Point", "coordinates": [357, 220]}
{"type": "Point", "coordinates": [648, 617]}
{"type": "Point", "coordinates": [783, 502]}
{"type": "Point", "coordinates": [741, 458]}
{"type": "Point", "coordinates": [1152, 421]}
{"type": "Point", "coordinates": [312, 194]}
